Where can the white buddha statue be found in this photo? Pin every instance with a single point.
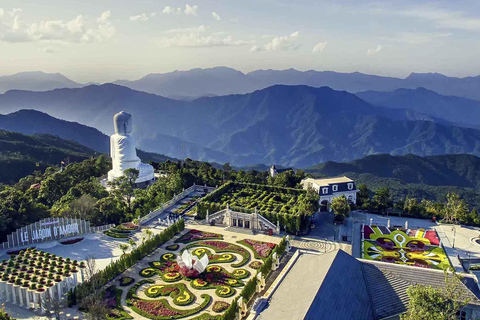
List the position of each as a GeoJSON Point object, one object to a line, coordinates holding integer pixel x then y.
{"type": "Point", "coordinates": [123, 152]}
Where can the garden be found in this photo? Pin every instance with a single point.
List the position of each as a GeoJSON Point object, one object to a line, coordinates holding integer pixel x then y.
{"type": "Point", "coordinates": [37, 270]}
{"type": "Point", "coordinates": [414, 247]}
{"type": "Point", "coordinates": [166, 289]}
{"type": "Point", "coordinates": [291, 207]}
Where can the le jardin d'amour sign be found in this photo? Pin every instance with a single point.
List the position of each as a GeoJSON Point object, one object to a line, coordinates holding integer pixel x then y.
{"type": "Point", "coordinates": [49, 229]}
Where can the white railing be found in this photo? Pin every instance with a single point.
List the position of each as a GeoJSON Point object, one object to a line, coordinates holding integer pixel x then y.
{"type": "Point", "coordinates": [171, 202]}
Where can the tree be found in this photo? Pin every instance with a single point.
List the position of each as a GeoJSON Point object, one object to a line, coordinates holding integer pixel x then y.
{"type": "Point", "coordinates": [132, 243]}
{"type": "Point", "coordinates": [363, 195]}
{"type": "Point", "coordinates": [473, 217]}
{"type": "Point", "coordinates": [383, 199]}
{"type": "Point", "coordinates": [125, 185]}
{"type": "Point", "coordinates": [435, 303]}
{"type": "Point", "coordinates": [53, 305]}
{"type": "Point", "coordinates": [148, 233]}
{"type": "Point", "coordinates": [340, 206]}
{"type": "Point", "coordinates": [455, 209]}
{"type": "Point", "coordinates": [123, 247]}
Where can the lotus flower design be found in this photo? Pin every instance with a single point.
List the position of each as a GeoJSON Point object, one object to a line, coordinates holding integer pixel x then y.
{"type": "Point", "coordinates": [190, 265]}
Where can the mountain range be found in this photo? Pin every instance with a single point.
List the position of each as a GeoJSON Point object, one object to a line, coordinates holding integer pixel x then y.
{"type": "Point", "coordinates": [32, 122]}
{"type": "Point", "coordinates": [431, 177]}
{"type": "Point", "coordinates": [287, 125]}
{"type": "Point", "coordinates": [461, 111]}
{"type": "Point", "coordinates": [223, 81]}
{"type": "Point", "coordinates": [21, 155]}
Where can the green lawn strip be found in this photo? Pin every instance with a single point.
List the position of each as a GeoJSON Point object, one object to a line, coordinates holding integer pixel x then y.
{"type": "Point", "coordinates": [163, 304]}
{"type": "Point", "coordinates": [118, 313]}
{"type": "Point", "coordinates": [178, 292]}
{"type": "Point", "coordinates": [230, 248]}
{"type": "Point", "coordinates": [255, 253]}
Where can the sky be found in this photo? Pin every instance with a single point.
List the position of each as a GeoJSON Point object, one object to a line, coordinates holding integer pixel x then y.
{"type": "Point", "coordinates": [107, 40]}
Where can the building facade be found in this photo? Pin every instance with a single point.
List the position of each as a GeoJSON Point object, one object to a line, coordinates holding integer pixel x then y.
{"type": "Point", "coordinates": [330, 188]}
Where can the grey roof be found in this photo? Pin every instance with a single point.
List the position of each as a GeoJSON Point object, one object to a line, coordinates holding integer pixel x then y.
{"type": "Point", "coordinates": [343, 293]}
{"type": "Point", "coordinates": [336, 286]}
{"type": "Point", "coordinates": [387, 285]}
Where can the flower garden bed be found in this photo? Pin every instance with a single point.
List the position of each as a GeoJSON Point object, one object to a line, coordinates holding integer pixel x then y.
{"type": "Point", "coordinates": [161, 309]}
{"type": "Point", "coordinates": [129, 226]}
{"type": "Point", "coordinates": [117, 234]}
{"type": "Point", "coordinates": [37, 270]}
{"type": "Point", "coordinates": [215, 277]}
{"type": "Point", "coordinates": [222, 246]}
{"type": "Point", "coordinates": [220, 306]}
{"type": "Point", "coordinates": [261, 250]}
{"type": "Point", "coordinates": [214, 258]}
{"type": "Point", "coordinates": [194, 235]}
{"type": "Point", "coordinates": [415, 247]}
{"type": "Point", "coordinates": [71, 241]}
{"type": "Point", "coordinates": [178, 292]}
{"type": "Point", "coordinates": [256, 265]}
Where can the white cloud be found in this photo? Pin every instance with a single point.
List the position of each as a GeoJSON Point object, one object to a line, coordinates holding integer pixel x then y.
{"type": "Point", "coordinates": [14, 12]}
{"type": "Point", "coordinates": [153, 14]}
{"type": "Point", "coordinates": [2, 12]}
{"type": "Point", "coordinates": [198, 37]}
{"type": "Point", "coordinates": [319, 47]}
{"type": "Point", "coordinates": [190, 10]}
{"type": "Point", "coordinates": [75, 30]}
{"type": "Point", "coordinates": [216, 16]}
{"type": "Point", "coordinates": [140, 17]}
{"type": "Point", "coordinates": [443, 18]}
{"type": "Point", "coordinates": [279, 42]}
{"type": "Point", "coordinates": [374, 51]}
{"type": "Point", "coordinates": [170, 10]}
{"type": "Point", "coordinates": [47, 50]}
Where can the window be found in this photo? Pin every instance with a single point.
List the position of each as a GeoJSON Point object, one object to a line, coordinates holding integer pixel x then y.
{"type": "Point", "coordinates": [350, 186]}
{"type": "Point", "coordinates": [335, 188]}
{"type": "Point", "coordinates": [324, 190]}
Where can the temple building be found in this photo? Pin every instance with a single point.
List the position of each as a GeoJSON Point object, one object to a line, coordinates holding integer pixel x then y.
{"type": "Point", "coordinates": [124, 154]}
{"type": "Point", "coordinates": [330, 188]}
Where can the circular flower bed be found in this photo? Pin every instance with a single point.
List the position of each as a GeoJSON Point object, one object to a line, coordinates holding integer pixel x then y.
{"type": "Point", "coordinates": [220, 306]}
{"type": "Point", "coordinates": [173, 247]}
{"type": "Point", "coordinates": [199, 283]}
{"type": "Point", "coordinates": [171, 276]}
{"type": "Point", "coordinates": [255, 265]}
{"type": "Point", "coordinates": [159, 290]}
{"type": "Point", "coordinates": [148, 272]}
{"type": "Point", "coordinates": [71, 241]}
{"type": "Point", "coordinates": [168, 257]}
{"type": "Point", "coordinates": [224, 291]}
{"type": "Point", "coordinates": [180, 294]}
{"type": "Point", "coordinates": [126, 281]}
{"type": "Point", "coordinates": [240, 273]}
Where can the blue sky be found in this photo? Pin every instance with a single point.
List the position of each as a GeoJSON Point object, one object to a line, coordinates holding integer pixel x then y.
{"type": "Point", "coordinates": [106, 40]}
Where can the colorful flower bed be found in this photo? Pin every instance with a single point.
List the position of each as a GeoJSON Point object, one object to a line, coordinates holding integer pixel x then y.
{"type": "Point", "coordinates": [215, 276]}
{"type": "Point", "coordinates": [194, 235]}
{"type": "Point", "coordinates": [413, 247]}
{"type": "Point", "coordinates": [173, 247]}
{"type": "Point", "coordinates": [262, 250]}
{"type": "Point", "coordinates": [222, 246]}
{"type": "Point", "coordinates": [255, 265]}
{"type": "Point", "coordinates": [161, 309]}
{"type": "Point", "coordinates": [148, 272]}
{"type": "Point", "coordinates": [214, 258]}
{"type": "Point", "coordinates": [71, 241]}
{"type": "Point", "coordinates": [178, 292]}
{"type": "Point", "coordinates": [126, 281]}
{"type": "Point", "coordinates": [225, 291]}
{"type": "Point", "coordinates": [220, 306]}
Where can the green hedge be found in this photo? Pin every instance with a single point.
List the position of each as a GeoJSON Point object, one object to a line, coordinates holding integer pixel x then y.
{"type": "Point", "coordinates": [128, 260]}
